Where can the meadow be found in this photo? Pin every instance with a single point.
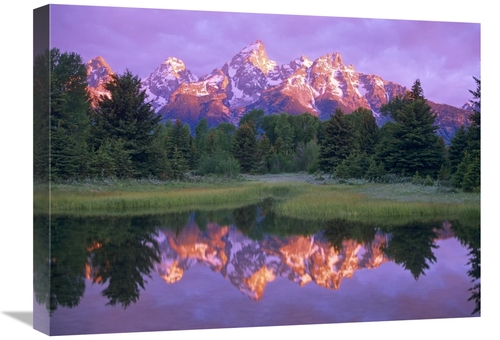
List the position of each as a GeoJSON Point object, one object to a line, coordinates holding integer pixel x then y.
{"type": "Point", "coordinates": [296, 196]}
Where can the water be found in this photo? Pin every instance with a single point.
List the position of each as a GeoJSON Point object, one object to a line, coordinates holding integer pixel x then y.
{"type": "Point", "coordinates": [247, 267]}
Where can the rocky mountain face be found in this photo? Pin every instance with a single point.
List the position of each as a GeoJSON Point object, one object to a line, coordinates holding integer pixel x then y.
{"type": "Point", "coordinates": [98, 74]}
{"type": "Point", "coordinates": [251, 80]}
{"type": "Point", "coordinates": [165, 80]}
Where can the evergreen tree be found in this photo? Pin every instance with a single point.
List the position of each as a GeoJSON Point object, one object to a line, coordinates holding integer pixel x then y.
{"type": "Point", "coordinates": [194, 154]}
{"type": "Point", "coordinates": [211, 143]}
{"type": "Point", "coordinates": [365, 130]}
{"type": "Point", "coordinates": [69, 119]}
{"type": "Point", "coordinates": [179, 148]}
{"type": "Point", "coordinates": [126, 115]}
{"type": "Point", "coordinates": [474, 131]}
{"type": "Point", "coordinates": [41, 114]}
{"type": "Point", "coordinates": [112, 160]}
{"type": "Point", "coordinates": [444, 173]}
{"type": "Point", "coordinates": [375, 171]}
{"type": "Point", "coordinates": [458, 146]}
{"type": "Point", "coordinates": [465, 149]}
{"type": "Point", "coordinates": [411, 143]}
{"type": "Point", "coordinates": [337, 142]}
{"type": "Point", "coordinates": [201, 133]}
{"type": "Point", "coordinates": [475, 118]}
{"type": "Point", "coordinates": [459, 174]}
{"type": "Point", "coordinates": [264, 152]}
{"type": "Point", "coordinates": [178, 165]}
{"type": "Point", "coordinates": [284, 131]}
{"type": "Point", "coordinates": [416, 91]}
{"type": "Point", "coordinates": [468, 174]}
{"type": "Point", "coordinates": [354, 166]}
{"type": "Point", "coordinates": [160, 153]}
{"type": "Point", "coordinates": [245, 147]}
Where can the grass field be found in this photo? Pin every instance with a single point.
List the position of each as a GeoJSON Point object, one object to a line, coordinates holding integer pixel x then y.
{"type": "Point", "coordinates": [297, 196]}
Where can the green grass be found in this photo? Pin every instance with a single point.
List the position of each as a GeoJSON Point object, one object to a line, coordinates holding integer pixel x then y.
{"type": "Point", "coordinates": [294, 199]}
{"type": "Point", "coordinates": [380, 201]}
{"type": "Point", "coordinates": [127, 196]}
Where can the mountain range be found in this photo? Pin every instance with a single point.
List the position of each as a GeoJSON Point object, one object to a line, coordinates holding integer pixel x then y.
{"type": "Point", "coordinates": [252, 81]}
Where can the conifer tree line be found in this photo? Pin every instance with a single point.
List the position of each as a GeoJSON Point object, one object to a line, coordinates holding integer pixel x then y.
{"type": "Point", "coordinates": [122, 136]}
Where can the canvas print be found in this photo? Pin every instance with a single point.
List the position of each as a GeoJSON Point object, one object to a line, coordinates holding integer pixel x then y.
{"type": "Point", "coordinates": [208, 170]}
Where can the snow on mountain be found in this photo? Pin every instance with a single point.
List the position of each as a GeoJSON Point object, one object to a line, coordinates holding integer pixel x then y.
{"type": "Point", "coordinates": [98, 74]}
{"type": "Point", "coordinates": [160, 84]}
{"type": "Point", "coordinates": [251, 80]}
{"type": "Point", "coordinates": [251, 72]}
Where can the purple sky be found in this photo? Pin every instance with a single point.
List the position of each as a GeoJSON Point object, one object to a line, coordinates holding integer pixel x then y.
{"type": "Point", "coordinates": [443, 55]}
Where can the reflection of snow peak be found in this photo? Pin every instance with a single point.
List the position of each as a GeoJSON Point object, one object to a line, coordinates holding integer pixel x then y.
{"type": "Point", "coordinates": [171, 273]}
{"type": "Point", "coordinates": [250, 265]}
{"type": "Point", "coordinates": [258, 281]}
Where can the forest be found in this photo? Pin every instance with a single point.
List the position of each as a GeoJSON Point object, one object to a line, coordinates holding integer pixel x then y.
{"type": "Point", "coordinates": [121, 136]}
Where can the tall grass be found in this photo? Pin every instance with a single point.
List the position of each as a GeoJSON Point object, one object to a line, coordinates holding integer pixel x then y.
{"type": "Point", "coordinates": [101, 200]}
{"type": "Point", "coordinates": [294, 199]}
{"type": "Point", "coordinates": [330, 202]}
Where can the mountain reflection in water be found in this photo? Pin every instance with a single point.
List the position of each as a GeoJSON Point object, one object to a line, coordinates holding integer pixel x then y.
{"type": "Point", "coordinates": [251, 264]}
{"type": "Point", "coordinates": [143, 265]}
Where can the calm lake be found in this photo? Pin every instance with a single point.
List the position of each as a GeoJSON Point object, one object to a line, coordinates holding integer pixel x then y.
{"type": "Point", "coordinates": [247, 267]}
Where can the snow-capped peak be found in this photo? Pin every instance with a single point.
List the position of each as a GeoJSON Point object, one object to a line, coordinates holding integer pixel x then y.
{"type": "Point", "coordinates": [172, 66]}
{"type": "Point", "coordinates": [255, 54]}
{"type": "Point", "coordinates": [255, 46]}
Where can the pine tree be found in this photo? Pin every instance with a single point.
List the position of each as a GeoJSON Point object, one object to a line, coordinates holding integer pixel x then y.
{"type": "Point", "coordinates": [411, 143]}
{"type": "Point", "coordinates": [178, 165]}
{"type": "Point", "coordinates": [375, 171]}
{"type": "Point", "coordinates": [472, 180]}
{"type": "Point", "coordinates": [465, 148]}
{"type": "Point", "coordinates": [179, 149]}
{"type": "Point", "coordinates": [41, 116]}
{"type": "Point", "coordinates": [416, 91]}
{"type": "Point", "coordinates": [284, 131]}
{"type": "Point", "coordinates": [201, 132]}
{"type": "Point", "coordinates": [365, 130]}
{"type": "Point", "coordinates": [475, 118]}
{"type": "Point", "coordinates": [474, 131]}
{"type": "Point", "coordinates": [210, 143]}
{"type": "Point", "coordinates": [264, 152]}
{"type": "Point", "coordinates": [112, 160]}
{"type": "Point", "coordinates": [245, 147]}
{"type": "Point", "coordinates": [458, 145]}
{"type": "Point", "coordinates": [69, 115]}
{"type": "Point", "coordinates": [161, 167]}
{"type": "Point", "coordinates": [337, 142]}
{"type": "Point", "coordinates": [126, 115]}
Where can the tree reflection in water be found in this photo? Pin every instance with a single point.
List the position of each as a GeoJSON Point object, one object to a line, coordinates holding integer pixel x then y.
{"type": "Point", "coordinates": [411, 245]}
{"type": "Point", "coordinates": [470, 237]}
{"type": "Point", "coordinates": [59, 276]}
{"type": "Point", "coordinates": [115, 251]}
{"type": "Point", "coordinates": [120, 253]}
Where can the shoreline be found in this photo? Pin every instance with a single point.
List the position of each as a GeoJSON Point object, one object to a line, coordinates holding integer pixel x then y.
{"type": "Point", "coordinates": [297, 195]}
